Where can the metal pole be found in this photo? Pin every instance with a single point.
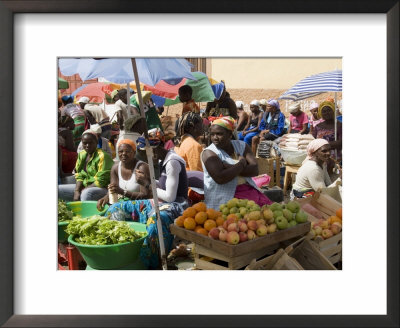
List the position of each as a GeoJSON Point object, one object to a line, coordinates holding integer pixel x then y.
{"type": "Point", "coordinates": [128, 98]}
{"type": "Point", "coordinates": [149, 153]}
{"type": "Point", "coordinates": [335, 125]}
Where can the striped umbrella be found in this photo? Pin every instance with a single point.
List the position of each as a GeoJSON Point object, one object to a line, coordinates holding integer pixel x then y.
{"type": "Point", "coordinates": [315, 85]}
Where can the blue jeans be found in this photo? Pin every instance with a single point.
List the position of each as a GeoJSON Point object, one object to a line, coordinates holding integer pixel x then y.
{"type": "Point", "coordinates": [247, 138]}
{"type": "Point", "coordinates": [66, 192]}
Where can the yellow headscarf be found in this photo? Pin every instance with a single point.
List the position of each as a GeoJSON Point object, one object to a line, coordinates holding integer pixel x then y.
{"type": "Point", "coordinates": [329, 104]}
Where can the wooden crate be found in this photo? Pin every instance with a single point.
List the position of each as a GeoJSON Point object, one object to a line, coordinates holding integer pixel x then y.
{"type": "Point", "coordinates": [301, 255]}
{"type": "Point", "coordinates": [230, 263]}
{"type": "Point", "coordinates": [245, 248]}
{"type": "Point", "coordinates": [332, 247]}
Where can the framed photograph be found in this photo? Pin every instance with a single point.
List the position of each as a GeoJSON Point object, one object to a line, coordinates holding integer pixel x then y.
{"type": "Point", "coordinates": [34, 34]}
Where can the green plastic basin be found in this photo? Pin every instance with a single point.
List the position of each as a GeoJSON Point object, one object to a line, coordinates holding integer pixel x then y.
{"type": "Point", "coordinates": [84, 209]}
{"type": "Point", "coordinates": [109, 257]}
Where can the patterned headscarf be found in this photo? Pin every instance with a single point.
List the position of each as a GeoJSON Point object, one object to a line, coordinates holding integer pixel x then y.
{"type": "Point", "coordinates": [156, 138]}
{"type": "Point", "coordinates": [329, 104]}
{"type": "Point", "coordinates": [226, 122]}
{"type": "Point", "coordinates": [274, 102]}
{"type": "Point", "coordinates": [313, 146]}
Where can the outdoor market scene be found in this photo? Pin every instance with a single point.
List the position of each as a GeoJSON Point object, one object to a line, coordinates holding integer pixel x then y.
{"type": "Point", "coordinates": [199, 164]}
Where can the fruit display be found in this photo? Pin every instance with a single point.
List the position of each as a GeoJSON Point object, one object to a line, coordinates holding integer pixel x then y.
{"type": "Point", "coordinates": [240, 220]}
{"type": "Point", "coordinates": [325, 228]}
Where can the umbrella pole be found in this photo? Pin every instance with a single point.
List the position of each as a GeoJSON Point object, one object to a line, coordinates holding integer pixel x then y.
{"type": "Point", "coordinates": [335, 125]}
{"type": "Point", "coordinates": [128, 97]}
{"type": "Point", "coordinates": [149, 153]}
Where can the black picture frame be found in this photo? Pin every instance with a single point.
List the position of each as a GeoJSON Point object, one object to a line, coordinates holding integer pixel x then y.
{"type": "Point", "coordinates": [7, 11]}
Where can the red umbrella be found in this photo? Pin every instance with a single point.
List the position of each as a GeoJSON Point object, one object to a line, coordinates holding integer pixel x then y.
{"type": "Point", "coordinates": [95, 91]}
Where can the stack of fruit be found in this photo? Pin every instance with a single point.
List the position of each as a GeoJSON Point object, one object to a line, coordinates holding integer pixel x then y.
{"type": "Point", "coordinates": [326, 228]}
{"type": "Point", "coordinates": [240, 220]}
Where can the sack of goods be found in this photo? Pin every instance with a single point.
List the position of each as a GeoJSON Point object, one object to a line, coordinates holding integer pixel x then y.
{"type": "Point", "coordinates": [295, 141]}
{"type": "Point", "coordinates": [264, 148]}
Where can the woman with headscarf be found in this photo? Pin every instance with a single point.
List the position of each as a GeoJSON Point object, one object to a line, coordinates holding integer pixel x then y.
{"type": "Point", "coordinates": [272, 124]}
{"type": "Point", "coordinates": [228, 167]}
{"type": "Point", "coordinates": [313, 174]}
{"type": "Point", "coordinates": [298, 119]}
{"type": "Point", "coordinates": [92, 172]}
{"type": "Point", "coordinates": [315, 119]}
{"type": "Point", "coordinates": [223, 106]}
{"type": "Point", "coordinates": [172, 191]}
{"type": "Point", "coordinates": [242, 116]}
{"type": "Point", "coordinates": [75, 112]}
{"type": "Point", "coordinates": [123, 175]}
{"type": "Point", "coordinates": [253, 123]}
{"type": "Point", "coordinates": [326, 129]}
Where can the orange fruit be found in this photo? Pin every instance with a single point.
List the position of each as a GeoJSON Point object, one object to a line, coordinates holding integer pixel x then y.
{"type": "Point", "coordinates": [179, 221]}
{"type": "Point", "coordinates": [339, 213]}
{"type": "Point", "coordinates": [333, 219]}
{"type": "Point", "coordinates": [213, 214]}
{"type": "Point", "coordinates": [200, 207]}
{"type": "Point", "coordinates": [234, 216]}
{"type": "Point", "coordinates": [219, 221]}
{"type": "Point", "coordinates": [197, 228]}
{"type": "Point", "coordinates": [202, 231]}
{"type": "Point", "coordinates": [209, 224]}
{"type": "Point", "coordinates": [200, 217]}
{"type": "Point", "coordinates": [189, 212]}
{"type": "Point", "coordinates": [189, 223]}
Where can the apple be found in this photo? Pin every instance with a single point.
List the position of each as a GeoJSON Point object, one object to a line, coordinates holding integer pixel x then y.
{"type": "Point", "coordinates": [230, 220]}
{"type": "Point", "coordinates": [277, 213]}
{"type": "Point", "coordinates": [267, 214]}
{"type": "Point", "coordinates": [272, 228]}
{"type": "Point", "coordinates": [214, 233]}
{"type": "Point", "coordinates": [260, 222]}
{"type": "Point", "coordinates": [243, 236]}
{"type": "Point", "coordinates": [233, 238]}
{"type": "Point", "coordinates": [275, 206]}
{"type": "Point", "coordinates": [262, 230]}
{"type": "Point", "coordinates": [243, 227]}
{"type": "Point", "coordinates": [281, 222]}
{"type": "Point", "coordinates": [338, 224]}
{"type": "Point", "coordinates": [292, 223]}
{"type": "Point", "coordinates": [243, 211]}
{"type": "Point", "coordinates": [252, 225]}
{"type": "Point", "coordinates": [233, 227]}
{"type": "Point", "coordinates": [335, 229]}
{"type": "Point", "coordinates": [287, 214]}
{"type": "Point", "coordinates": [293, 206]}
{"type": "Point", "coordinates": [326, 233]}
{"type": "Point", "coordinates": [324, 224]}
{"type": "Point", "coordinates": [246, 217]}
{"type": "Point", "coordinates": [251, 235]}
{"type": "Point", "coordinates": [311, 234]}
{"type": "Point", "coordinates": [318, 238]}
{"type": "Point", "coordinates": [318, 230]}
{"type": "Point", "coordinates": [223, 234]}
{"type": "Point", "coordinates": [301, 217]}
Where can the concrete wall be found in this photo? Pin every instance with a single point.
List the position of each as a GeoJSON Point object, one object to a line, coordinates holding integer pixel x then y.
{"type": "Point", "coordinates": [268, 73]}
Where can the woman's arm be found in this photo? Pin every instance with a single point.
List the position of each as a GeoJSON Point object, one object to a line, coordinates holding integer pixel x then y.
{"type": "Point", "coordinates": [258, 124]}
{"type": "Point", "coordinates": [220, 173]}
{"type": "Point", "coordinates": [173, 168]}
{"type": "Point", "coordinates": [304, 128]}
{"type": "Point", "coordinates": [251, 169]}
{"type": "Point", "coordinates": [78, 189]}
{"type": "Point", "coordinates": [247, 125]}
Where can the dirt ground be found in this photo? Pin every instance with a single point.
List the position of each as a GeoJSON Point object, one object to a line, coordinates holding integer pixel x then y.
{"type": "Point", "coordinates": [248, 95]}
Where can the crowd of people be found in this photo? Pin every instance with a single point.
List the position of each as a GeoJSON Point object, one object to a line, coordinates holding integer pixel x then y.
{"type": "Point", "coordinates": [211, 158]}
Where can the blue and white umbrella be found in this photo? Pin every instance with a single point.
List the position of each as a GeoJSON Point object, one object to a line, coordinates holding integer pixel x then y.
{"type": "Point", "coordinates": [315, 85]}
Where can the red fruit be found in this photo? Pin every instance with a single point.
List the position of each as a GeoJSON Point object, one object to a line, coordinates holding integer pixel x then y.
{"type": "Point", "coordinates": [214, 233]}
{"type": "Point", "coordinates": [243, 236]}
{"type": "Point", "coordinates": [233, 227]}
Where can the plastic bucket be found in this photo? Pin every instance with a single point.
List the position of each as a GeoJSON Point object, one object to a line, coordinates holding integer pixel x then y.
{"type": "Point", "coordinates": [84, 209]}
{"type": "Point", "coordinates": [109, 257]}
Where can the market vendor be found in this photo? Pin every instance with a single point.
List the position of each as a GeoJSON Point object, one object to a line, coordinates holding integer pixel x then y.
{"type": "Point", "coordinates": [102, 142]}
{"type": "Point", "coordinates": [75, 112]}
{"type": "Point", "coordinates": [95, 115]}
{"type": "Point", "coordinates": [313, 174]}
{"type": "Point", "coordinates": [298, 119]}
{"type": "Point", "coordinates": [253, 123]}
{"type": "Point", "coordinates": [92, 172]}
{"type": "Point", "coordinates": [223, 106]}
{"type": "Point", "coordinates": [228, 167]}
{"type": "Point", "coordinates": [123, 178]}
{"type": "Point", "coordinates": [172, 191]}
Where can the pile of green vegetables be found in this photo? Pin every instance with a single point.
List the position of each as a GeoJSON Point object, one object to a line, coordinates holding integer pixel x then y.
{"type": "Point", "coordinates": [64, 213]}
{"type": "Point", "coordinates": [99, 230]}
